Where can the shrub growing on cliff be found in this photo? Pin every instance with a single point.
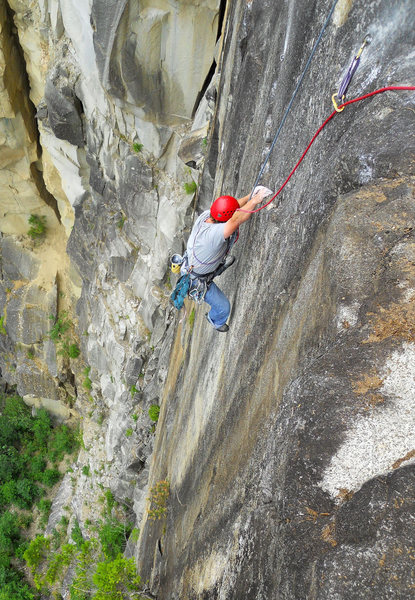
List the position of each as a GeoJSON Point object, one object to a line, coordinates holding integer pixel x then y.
{"type": "Point", "coordinates": [100, 570]}
{"type": "Point", "coordinates": [69, 350]}
{"type": "Point", "coordinates": [158, 499]}
{"type": "Point", "coordinates": [154, 412]}
{"type": "Point", "coordinates": [58, 334]}
{"type": "Point", "coordinates": [38, 227]}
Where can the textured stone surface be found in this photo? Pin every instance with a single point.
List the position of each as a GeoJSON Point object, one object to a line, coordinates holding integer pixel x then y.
{"type": "Point", "coordinates": [288, 443]}
{"type": "Point", "coordinates": [64, 113]}
{"type": "Point", "coordinates": [18, 262]}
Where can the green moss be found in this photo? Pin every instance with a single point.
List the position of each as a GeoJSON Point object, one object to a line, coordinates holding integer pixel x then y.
{"type": "Point", "coordinates": [190, 188]}
{"type": "Point", "coordinates": [2, 328]}
{"type": "Point", "coordinates": [192, 319]}
{"type": "Point", "coordinates": [154, 412]}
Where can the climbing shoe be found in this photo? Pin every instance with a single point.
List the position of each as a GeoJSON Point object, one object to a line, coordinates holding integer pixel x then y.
{"type": "Point", "coordinates": [223, 328]}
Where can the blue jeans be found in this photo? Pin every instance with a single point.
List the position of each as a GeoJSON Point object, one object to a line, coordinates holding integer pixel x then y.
{"type": "Point", "coordinates": [220, 306]}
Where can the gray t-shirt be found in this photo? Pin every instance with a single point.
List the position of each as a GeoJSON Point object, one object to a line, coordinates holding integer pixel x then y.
{"type": "Point", "coordinates": [207, 247]}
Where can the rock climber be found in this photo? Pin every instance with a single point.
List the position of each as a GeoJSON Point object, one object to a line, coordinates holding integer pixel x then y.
{"type": "Point", "coordinates": [207, 256]}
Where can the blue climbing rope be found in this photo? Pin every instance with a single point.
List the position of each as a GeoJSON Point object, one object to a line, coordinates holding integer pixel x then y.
{"type": "Point", "coordinates": [294, 95]}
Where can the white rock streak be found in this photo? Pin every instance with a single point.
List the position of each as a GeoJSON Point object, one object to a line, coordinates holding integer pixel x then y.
{"type": "Point", "coordinates": [375, 442]}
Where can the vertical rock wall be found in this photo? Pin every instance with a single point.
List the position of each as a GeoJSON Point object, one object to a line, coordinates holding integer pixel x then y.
{"type": "Point", "coordinates": [288, 443]}
{"type": "Point", "coordinates": [96, 101]}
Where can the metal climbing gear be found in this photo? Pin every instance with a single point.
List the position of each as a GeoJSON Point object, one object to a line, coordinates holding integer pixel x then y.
{"type": "Point", "coordinates": [176, 262]}
{"type": "Point", "coordinates": [390, 88]}
{"type": "Point", "coordinates": [198, 289]}
{"type": "Point", "coordinates": [341, 94]}
{"type": "Point", "coordinates": [287, 110]}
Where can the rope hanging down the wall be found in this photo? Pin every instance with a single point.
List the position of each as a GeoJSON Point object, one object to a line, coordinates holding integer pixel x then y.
{"type": "Point", "coordinates": [334, 113]}
{"type": "Point", "coordinates": [300, 81]}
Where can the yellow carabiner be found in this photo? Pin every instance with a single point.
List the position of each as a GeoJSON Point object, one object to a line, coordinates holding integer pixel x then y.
{"type": "Point", "coordinates": [365, 41]}
{"type": "Point", "coordinates": [336, 106]}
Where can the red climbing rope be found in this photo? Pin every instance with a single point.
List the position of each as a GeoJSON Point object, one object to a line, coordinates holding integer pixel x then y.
{"type": "Point", "coordinates": [340, 107]}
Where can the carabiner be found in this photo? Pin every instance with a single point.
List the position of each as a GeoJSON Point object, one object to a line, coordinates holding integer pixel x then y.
{"type": "Point", "coordinates": [336, 106]}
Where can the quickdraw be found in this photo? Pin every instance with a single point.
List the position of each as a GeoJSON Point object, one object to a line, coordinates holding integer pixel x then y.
{"type": "Point", "coordinates": [389, 88]}
{"type": "Point", "coordinates": [341, 94]}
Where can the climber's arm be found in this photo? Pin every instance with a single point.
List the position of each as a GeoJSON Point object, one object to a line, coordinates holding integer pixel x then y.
{"type": "Point", "coordinates": [240, 217]}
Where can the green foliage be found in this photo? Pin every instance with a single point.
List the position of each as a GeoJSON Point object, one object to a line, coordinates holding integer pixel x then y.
{"type": "Point", "coordinates": [38, 227]}
{"type": "Point", "coordinates": [100, 569]}
{"type": "Point", "coordinates": [61, 326]}
{"type": "Point", "coordinates": [57, 334]}
{"type": "Point", "coordinates": [69, 350]}
{"type": "Point", "coordinates": [204, 142]}
{"type": "Point", "coordinates": [9, 533]}
{"type": "Point", "coordinates": [154, 412]}
{"type": "Point", "coordinates": [41, 428]}
{"type": "Point", "coordinates": [11, 462]}
{"type": "Point", "coordinates": [22, 493]}
{"type": "Point", "coordinates": [44, 508]}
{"type": "Point", "coordinates": [110, 501]}
{"type": "Point", "coordinates": [113, 536]}
{"type": "Point", "coordinates": [129, 432]}
{"type": "Point", "coordinates": [58, 563]}
{"type": "Point", "coordinates": [50, 477]}
{"type": "Point", "coordinates": [135, 417]}
{"type": "Point", "coordinates": [190, 188]}
{"type": "Point", "coordinates": [2, 327]}
{"type": "Point", "coordinates": [158, 499]}
{"type": "Point", "coordinates": [17, 413]}
{"type": "Point", "coordinates": [137, 147]}
{"type": "Point", "coordinates": [36, 552]}
{"type": "Point", "coordinates": [77, 536]}
{"type": "Point", "coordinates": [135, 534]}
{"type": "Point", "coordinates": [116, 579]}
{"type": "Point", "coordinates": [27, 443]}
{"type": "Point", "coordinates": [85, 470]}
{"type": "Point", "coordinates": [63, 441]}
{"type": "Point", "coordinates": [12, 586]}
{"type": "Point", "coordinates": [133, 390]}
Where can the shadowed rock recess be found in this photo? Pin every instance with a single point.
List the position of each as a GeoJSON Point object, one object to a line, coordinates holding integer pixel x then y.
{"type": "Point", "coordinates": [289, 442]}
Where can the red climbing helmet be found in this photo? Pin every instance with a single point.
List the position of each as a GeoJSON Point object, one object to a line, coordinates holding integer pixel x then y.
{"type": "Point", "coordinates": [223, 208]}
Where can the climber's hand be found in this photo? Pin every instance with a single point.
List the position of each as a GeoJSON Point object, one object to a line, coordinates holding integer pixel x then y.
{"type": "Point", "coordinates": [260, 193]}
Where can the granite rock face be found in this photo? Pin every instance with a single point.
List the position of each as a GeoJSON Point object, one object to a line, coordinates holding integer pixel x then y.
{"type": "Point", "coordinates": [110, 89]}
{"type": "Point", "coordinates": [289, 443]}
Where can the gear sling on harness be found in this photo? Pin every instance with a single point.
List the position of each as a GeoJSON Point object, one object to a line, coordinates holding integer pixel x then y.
{"type": "Point", "coordinates": [180, 291]}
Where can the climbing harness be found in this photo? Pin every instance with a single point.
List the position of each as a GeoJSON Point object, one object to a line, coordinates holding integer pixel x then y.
{"type": "Point", "coordinates": [341, 94]}
{"type": "Point", "coordinates": [320, 129]}
{"type": "Point", "coordinates": [198, 289]}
